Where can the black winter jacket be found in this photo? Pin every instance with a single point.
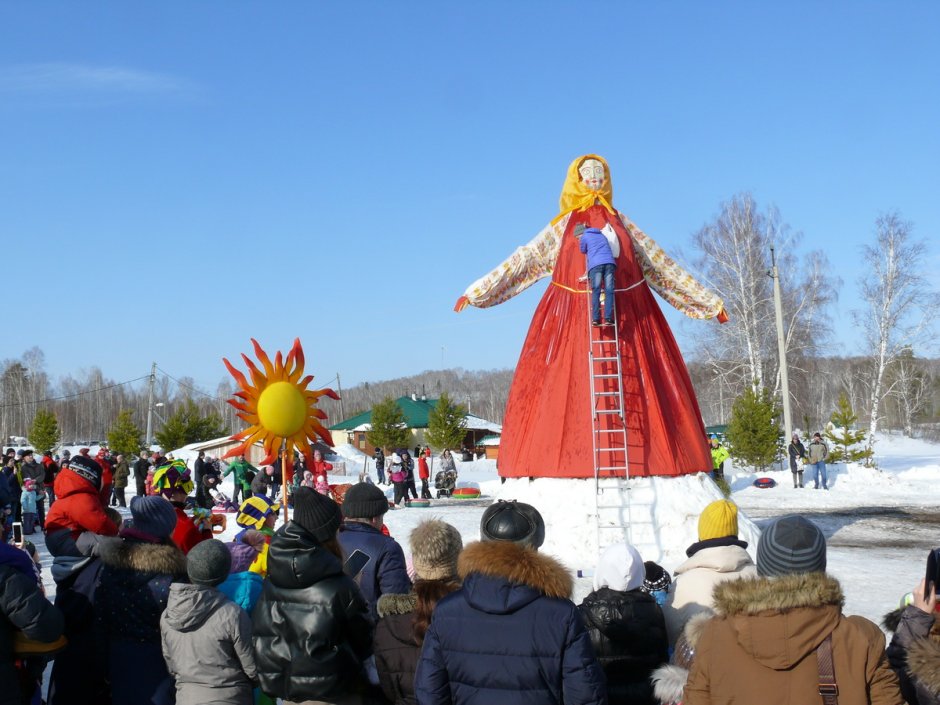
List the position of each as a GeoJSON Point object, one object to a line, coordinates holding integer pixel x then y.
{"type": "Point", "coordinates": [396, 652]}
{"type": "Point", "coordinates": [509, 635]}
{"type": "Point", "coordinates": [628, 633]}
{"type": "Point", "coordinates": [22, 607]}
{"type": "Point", "coordinates": [312, 629]}
{"type": "Point", "coordinates": [914, 654]}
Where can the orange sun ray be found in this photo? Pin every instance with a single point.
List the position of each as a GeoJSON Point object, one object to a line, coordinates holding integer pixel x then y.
{"type": "Point", "coordinates": [276, 404]}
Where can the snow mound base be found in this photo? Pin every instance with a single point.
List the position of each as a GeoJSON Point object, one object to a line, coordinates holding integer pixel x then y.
{"type": "Point", "coordinates": [665, 516]}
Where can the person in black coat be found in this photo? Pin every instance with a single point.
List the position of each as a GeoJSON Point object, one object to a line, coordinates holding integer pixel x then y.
{"type": "Point", "coordinates": [141, 468]}
{"type": "Point", "coordinates": [408, 465]}
{"type": "Point", "coordinates": [627, 627]}
{"type": "Point", "coordinates": [510, 634]}
{"type": "Point", "coordinates": [132, 593]}
{"type": "Point", "coordinates": [79, 674]}
{"type": "Point", "coordinates": [23, 608]}
{"type": "Point", "coordinates": [312, 630]}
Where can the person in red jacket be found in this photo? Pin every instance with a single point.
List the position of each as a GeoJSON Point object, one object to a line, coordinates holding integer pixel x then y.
{"type": "Point", "coordinates": [424, 473]}
{"type": "Point", "coordinates": [174, 483]}
{"type": "Point", "coordinates": [78, 506]}
{"type": "Point", "coordinates": [107, 475]}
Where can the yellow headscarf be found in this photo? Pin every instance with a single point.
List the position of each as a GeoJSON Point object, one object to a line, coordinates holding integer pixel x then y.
{"type": "Point", "coordinates": [575, 195]}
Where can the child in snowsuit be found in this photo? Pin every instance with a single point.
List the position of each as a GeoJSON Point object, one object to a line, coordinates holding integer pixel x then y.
{"type": "Point", "coordinates": [396, 475]}
{"type": "Point", "coordinates": [260, 514]}
{"type": "Point", "coordinates": [28, 505]}
{"type": "Point", "coordinates": [322, 486]}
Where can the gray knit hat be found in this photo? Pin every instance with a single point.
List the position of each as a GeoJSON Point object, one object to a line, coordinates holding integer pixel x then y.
{"type": "Point", "coordinates": [791, 544]}
{"type": "Point", "coordinates": [435, 545]}
{"type": "Point", "coordinates": [208, 563]}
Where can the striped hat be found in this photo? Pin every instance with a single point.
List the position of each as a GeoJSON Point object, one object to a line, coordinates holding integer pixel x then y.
{"type": "Point", "coordinates": [791, 544]}
{"type": "Point", "coordinates": [172, 476]}
{"type": "Point", "coordinates": [255, 510]}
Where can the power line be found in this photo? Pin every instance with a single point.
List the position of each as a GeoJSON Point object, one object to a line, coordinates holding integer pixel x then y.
{"type": "Point", "coordinates": [72, 396]}
{"type": "Point", "coordinates": [189, 387]}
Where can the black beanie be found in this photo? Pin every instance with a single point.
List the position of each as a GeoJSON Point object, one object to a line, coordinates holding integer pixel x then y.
{"type": "Point", "coordinates": [364, 501]}
{"type": "Point", "coordinates": [86, 467]}
{"type": "Point", "coordinates": [208, 563]}
{"type": "Point", "coordinates": [316, 513]}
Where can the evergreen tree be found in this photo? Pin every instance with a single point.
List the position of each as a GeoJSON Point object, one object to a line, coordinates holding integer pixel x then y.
{"type": "Point", "coordinates": [843, 438]}
{"type": "Point", "coordinates": [187, 425]}
{"type": "Point", "coordinates": [389, 429]}
{"type": "Point", "coordinates": [44, 433]}
{"type": "Point", "coordinates": [753, 431]}
{"type": "Point", "coordinates": [124, 436]}
{"type": "Point", "coordinates": [447, 424]}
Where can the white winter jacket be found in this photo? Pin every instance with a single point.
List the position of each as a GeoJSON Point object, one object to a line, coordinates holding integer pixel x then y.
{"type": "Point", "coordinates": [695, 580]}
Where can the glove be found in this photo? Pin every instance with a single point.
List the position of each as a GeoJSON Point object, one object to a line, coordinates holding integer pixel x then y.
{"type": "Point", "coordinates": [461, 304]}
{"type": "Point", "coordinates": [218, 522]}
{"type": "Point", "coordinates": [722, 316]}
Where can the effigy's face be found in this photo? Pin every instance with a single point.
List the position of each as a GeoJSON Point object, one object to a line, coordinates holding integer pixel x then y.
{"type": "Point", "coordinates": [592, 174]}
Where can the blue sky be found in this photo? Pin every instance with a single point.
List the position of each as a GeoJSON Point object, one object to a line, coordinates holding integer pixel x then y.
{"type": "Point", "coordinates": [178, 177]}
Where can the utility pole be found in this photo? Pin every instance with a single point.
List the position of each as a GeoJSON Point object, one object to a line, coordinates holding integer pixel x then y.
{"type": "Point", "coordinates": [339, 390]}
{"type": "Point", "coordinates": [781, 348]}
{"type": "Point", "coordinates": [153, 377]}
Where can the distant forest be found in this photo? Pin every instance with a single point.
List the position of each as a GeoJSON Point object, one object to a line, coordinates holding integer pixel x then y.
{"type": "Point", "coordinates": [87, 406]}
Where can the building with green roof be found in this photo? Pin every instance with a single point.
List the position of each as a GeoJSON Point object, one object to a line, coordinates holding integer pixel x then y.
{"type": "Point", "coordinates": [416, 411]}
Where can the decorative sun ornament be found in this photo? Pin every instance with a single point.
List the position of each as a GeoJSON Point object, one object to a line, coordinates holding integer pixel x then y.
{"type": "Point", "coordinates": [276, 404]}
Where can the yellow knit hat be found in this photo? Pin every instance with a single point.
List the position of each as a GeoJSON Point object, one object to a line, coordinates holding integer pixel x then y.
{"type": "Point", "coordinates": [718, 519]}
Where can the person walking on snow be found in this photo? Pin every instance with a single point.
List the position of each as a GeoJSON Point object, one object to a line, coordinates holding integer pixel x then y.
{"type": "Point", "coordinates": [817, 454]}
{"type": "Point", "coordinates": [797, 452]}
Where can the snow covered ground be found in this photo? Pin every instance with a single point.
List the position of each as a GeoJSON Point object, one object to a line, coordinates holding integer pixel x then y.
{"type": "Point", "coordinates": [880, 523]}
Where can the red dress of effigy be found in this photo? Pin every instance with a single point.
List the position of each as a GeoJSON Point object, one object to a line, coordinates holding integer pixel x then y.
{"type": "Point", "coordinates": [547, 431]}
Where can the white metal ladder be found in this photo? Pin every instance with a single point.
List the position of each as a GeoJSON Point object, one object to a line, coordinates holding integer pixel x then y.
{"type": "Point", "coordinates": [624, 512]}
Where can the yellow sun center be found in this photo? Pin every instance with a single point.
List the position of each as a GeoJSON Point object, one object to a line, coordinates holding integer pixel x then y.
{"type": "Point", "coordinates": [282, 409]}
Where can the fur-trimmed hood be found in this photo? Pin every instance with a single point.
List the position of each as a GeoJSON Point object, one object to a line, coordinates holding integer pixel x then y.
{"type": "Point", "coordinates": [517, 564]}
{"type": "Point", "coordinates": [751, 596]}
{"type": "Point", "coordinates": [923, 663]}
{"type": "Point", "coordinates": [142, 557]}
{"type": "Point", "coordinates": [396, 604]}
{"type": "Point", "coordinates": [780, 620]}
{"type": "Point", "coordinates": [502, 578]}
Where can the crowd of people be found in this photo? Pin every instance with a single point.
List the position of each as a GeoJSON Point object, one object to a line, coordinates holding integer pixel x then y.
{"type": "Point", "coordinates": [328, 609]}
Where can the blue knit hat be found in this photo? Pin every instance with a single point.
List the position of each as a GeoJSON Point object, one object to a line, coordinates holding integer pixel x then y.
{"type": "Point", "coordinates": [154, 516]}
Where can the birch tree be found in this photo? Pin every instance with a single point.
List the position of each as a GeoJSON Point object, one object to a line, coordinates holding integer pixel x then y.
{"type": "Point", "coordinates": [899, 307]}
{"type": "Point", "coordinates": [734, 258]}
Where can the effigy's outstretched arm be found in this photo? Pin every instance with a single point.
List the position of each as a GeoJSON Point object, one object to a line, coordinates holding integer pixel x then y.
{"type": "Point", "coordinates": [671, 281]}
{"type": "Point", "coordinates": [519, 271]}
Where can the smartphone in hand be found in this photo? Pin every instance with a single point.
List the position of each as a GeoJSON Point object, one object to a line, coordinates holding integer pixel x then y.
{"type": "Point", "coordinates": [355, 563]}
{"type": "Point", "coordinates": [18, 534]}
{"type": "Point", "coordinates": [933, 571]}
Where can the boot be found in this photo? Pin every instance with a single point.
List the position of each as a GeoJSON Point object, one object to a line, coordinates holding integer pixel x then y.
{"type": "Point", "coordinates": [801, 479]}
{"type": "Point", "coordinates": [795, 485]}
